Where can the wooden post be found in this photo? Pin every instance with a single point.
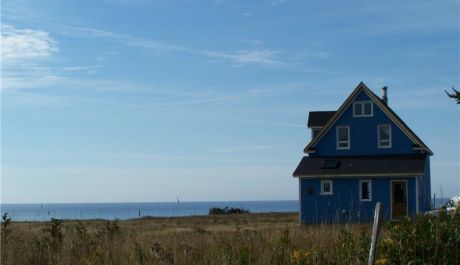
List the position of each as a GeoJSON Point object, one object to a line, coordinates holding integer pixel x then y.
{"type": "Point", "coordinates": [375, 234]}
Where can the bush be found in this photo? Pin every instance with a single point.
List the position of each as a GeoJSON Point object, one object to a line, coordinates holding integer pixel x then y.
{"type": "Point", "coordinates": [227, 210]}
{"type": "Point", "coordinates": [425, 240]}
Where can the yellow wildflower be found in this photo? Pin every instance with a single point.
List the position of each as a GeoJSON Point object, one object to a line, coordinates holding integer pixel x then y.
{"type": "Point", "coordinates": [387, 241]}
{"type": "Point", "coordinates": [381, 262]}
{"type": "Point", "coordinates": [296, 256]}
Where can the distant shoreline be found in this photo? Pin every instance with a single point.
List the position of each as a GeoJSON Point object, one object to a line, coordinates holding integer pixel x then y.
{"type": "Point", "coordinates": [172, 218]}
{"type": "Point", "coordinates": [180, 219]}
{"type": "Point", "coordinates": [126, 211]}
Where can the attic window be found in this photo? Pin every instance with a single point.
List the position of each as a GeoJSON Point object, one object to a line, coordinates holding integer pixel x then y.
{"type": "Point", "coordinates": [363, 109]}
{"type": "Point", "coordinates": [330, 164]}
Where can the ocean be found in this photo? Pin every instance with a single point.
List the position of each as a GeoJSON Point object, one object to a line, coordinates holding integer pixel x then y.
{"type": "Point", "coordinates": [124, 211]}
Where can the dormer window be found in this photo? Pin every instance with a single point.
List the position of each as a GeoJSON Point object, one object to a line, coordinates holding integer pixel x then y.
{"type": "Point", "coordinates": [343, 137]}
{"type": "Point", "coordinates": [363, 109]}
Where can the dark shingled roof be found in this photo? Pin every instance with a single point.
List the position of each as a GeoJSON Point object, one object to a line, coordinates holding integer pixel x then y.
{"type": "Point", "coordinates": [319, 118]}
{"type": "Point", "coordinates": [369, 166]}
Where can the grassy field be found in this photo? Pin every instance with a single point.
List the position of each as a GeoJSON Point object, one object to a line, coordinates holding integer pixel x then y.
{"type": "Point", "coordinates": [272, 238]}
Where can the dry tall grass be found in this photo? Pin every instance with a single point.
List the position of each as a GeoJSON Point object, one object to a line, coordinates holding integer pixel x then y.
{"type": "Point", "coordinates": [231, 239]}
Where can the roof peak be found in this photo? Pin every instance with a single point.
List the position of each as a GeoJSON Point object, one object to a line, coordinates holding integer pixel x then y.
{"type": "Point", "coordinates": [361, 87]}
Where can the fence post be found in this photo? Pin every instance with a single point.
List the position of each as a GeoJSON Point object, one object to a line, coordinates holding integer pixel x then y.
{"type": "Point", "coordinates": [375, 234]}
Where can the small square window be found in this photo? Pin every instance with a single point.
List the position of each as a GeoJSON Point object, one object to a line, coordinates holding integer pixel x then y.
{"type": "Point", "coordinates": [365, 190]}
{"type": "Point", "coordinates": [326, 187]}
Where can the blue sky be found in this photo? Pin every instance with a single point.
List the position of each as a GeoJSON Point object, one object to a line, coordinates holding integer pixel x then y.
{"type": "Point", "coordinates": [108, 101]}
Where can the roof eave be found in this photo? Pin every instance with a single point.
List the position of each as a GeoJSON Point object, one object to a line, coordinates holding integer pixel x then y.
{"type": "Point", "coordinates": [360, 175]}
{"type": "Point", "coordinates": [309, 151]}
{"type": "Point", "coordinates": [423, 149]}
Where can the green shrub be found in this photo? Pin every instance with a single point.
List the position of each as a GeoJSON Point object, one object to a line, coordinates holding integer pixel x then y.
{"type": "Point", "coordinates": [425, 240]}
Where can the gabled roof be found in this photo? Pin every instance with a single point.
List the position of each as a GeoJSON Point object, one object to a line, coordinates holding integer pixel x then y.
{"type": "Point", "coordinates": [418, 143]}
{"type": "Point", "coordinates": [358, 166]}
{"type": "Point", "coordinates": [319, 118]}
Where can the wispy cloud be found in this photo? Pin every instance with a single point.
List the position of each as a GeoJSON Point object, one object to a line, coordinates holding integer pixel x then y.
{"type": "Point", "coordinates": [244, 148]}
{"type": "Point", "coordinates": [23, 52]}
{"type": "Point", "coordinates": [126, 39]}
{"type": "Point", "coordinates": [23, 44]}
{"type": "Point", "coordinates": [81, 68]}
{"type": "Point", "coordinates": [31, 79]}
{"type": "Point", "coordinates": [256, 56]}
{"type": "Point", "coordinates": [277, 2]}
{"type": "Point", "coordinates": [265, 57]}
{"type": "Point", "coordinates": [253, 42]}
{"type": "Point", "coordinates": [39, 43]}
{"type": "Point", "coordinates": [282, 124]}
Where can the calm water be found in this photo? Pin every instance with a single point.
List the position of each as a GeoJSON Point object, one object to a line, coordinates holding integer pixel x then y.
{"type": "Point", "coordinates": [110, 211]}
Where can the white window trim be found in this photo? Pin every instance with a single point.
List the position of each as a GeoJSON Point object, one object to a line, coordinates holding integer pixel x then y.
{"type": "Point", "coordinates": [330, 185]}
{"type": "Point", "coordinates": [389, 134]}
{"type": "Point", "coordinates": [361, 187]}
{"type": "Point", "coordinates": [362, 108]}
{"type": "Point", "coordinates": [337, 138]}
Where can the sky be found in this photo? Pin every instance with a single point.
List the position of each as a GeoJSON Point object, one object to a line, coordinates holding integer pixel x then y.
{"type": "Point", "coordinates": [145, 101]}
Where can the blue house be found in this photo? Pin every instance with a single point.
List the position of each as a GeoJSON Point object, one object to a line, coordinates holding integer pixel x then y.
{"type": "Point", "coordinates": [361, 154]}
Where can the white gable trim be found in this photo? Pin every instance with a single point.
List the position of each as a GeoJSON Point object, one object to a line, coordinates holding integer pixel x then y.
{"type": "Point", "coordinates": [363, 88]}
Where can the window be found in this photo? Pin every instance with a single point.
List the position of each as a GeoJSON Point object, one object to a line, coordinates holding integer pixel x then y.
{"type": "Point", "coordinates": [363, 109]}
{"type": "Point", "coordinates": [365, 190]}
{"type": "Point", "coordinates": [314, 132]}
{"type": "Point", "coordinates": [343, 137]}
{"type": "Point", "coordinates": [384, 134]}
{"type": "Point", "coordinates": [326, 187]}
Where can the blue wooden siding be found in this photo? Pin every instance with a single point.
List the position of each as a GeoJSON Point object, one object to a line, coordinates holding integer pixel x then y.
{"type": "Point", "coordinates": [363, 135]}
{"type": "Point", "coordinates": [425, 189]}
{"type": "Point", "coordinates": [345, 205]}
